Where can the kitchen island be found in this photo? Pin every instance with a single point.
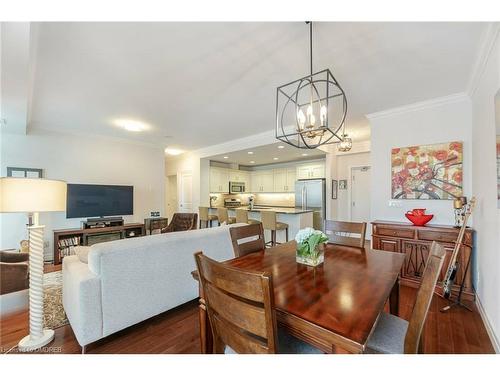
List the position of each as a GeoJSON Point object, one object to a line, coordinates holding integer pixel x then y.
{"type": "Point", "coordinates": [296, 219]}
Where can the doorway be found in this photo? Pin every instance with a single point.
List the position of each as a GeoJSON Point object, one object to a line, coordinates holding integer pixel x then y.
{"type": "Point", "coordinates": [186, 192]}
{"type": "Point", "coordinates": [171, 196]}
{"type": "Point", "coordinates": [359, 207]}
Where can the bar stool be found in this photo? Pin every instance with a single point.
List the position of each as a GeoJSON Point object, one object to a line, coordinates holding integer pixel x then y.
{"type": "Point", "coordinates": [206, 217]}
{"type": "Point", "coordinates": [224, 217]}
{"type": "Point", "coordinates": [242, 217]}
{"type": "Point", "coordinates": [269, 222]}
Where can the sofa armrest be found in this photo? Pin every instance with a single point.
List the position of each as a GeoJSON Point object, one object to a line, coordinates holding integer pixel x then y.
{"type": "Point", "coordinates": [82, 300]}
{"type": "Point", "coordinates": [13, 277]}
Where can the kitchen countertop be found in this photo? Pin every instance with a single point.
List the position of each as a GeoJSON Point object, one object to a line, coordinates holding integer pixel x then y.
{"type": "Point", "coordinates": [278, 210]}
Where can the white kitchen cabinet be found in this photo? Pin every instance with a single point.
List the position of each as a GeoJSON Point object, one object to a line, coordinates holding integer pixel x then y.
{"type": "Point", "coordinates": [262, 181]}
{"type": "Point", "coordinates": [311, 170]}
{"type": "Point", "coordinates": [219, 180]}
{"type": "Point", "coordinates": [284, 180]}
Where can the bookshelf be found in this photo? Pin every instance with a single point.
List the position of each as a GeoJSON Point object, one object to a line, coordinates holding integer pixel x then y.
{"type": "Point", "coordinates": [65, 240]}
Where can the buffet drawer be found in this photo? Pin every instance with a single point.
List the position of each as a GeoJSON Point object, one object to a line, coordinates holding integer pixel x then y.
{"type": "Point", "coordinates": [443, 236]}
{"type": "Point", "coordinates": [394, 232]}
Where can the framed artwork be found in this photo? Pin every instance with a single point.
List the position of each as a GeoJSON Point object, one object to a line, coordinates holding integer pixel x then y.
{"type": "Point", "coordinates": [334, 189]}
{"type": "Point", "coordinates": [427, 172]}
{"type": "Point", "coordinates": [342, 184]}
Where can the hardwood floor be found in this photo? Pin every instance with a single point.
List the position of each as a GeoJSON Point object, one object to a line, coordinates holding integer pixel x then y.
{"type": "Point", "coordinates": [177, 331]}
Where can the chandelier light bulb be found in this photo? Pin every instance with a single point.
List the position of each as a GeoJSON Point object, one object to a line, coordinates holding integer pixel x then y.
{"type": "Point", "coordinates": [301, 118]}
{"type": "Point", "coordinates": [312, 119]}
{"type": "Point", "coordinates": [322, 114]}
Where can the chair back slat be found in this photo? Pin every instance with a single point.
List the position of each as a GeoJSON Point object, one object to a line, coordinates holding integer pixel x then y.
{"type": "Point", "coordinates": [424, 297]}
{"type": "Point", "coordinates": [346, 233]}
{"type": "Point", "coordinates": [247, 239]}
{"type": "Point", "coordinates": [240, 307]}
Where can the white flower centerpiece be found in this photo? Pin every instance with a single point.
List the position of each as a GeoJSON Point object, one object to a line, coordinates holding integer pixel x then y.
{"type": "Point", "coordinates": [310, 246]}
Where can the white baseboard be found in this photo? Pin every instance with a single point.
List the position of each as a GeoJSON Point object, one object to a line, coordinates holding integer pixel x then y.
{"type": "Point", "coordinates": [487, 324]}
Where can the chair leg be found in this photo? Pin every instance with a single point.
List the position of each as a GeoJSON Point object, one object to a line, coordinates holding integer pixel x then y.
{"type": "Point", "coordinates": [273, 237]}
{"type": "Point", "coordinates": [286, 234]}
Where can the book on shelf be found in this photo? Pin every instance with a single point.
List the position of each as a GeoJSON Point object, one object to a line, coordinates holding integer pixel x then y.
{"type": "Point", "coordinates": [67, 245]}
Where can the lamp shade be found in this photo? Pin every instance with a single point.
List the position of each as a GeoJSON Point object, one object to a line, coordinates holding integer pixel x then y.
{"type": "Point", "coordinates": [32, 195]}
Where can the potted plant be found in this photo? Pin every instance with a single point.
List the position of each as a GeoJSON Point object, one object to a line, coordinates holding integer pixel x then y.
{"type": "Point", "coordinates": [310, 246]}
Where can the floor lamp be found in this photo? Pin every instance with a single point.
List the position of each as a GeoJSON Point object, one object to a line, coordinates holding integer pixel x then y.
{"type": "Point", "coordinates": [32, 196]}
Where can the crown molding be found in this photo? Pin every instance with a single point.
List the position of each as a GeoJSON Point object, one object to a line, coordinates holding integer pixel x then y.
{"type": "Point", "coordinates": [487, 43]}
{"type": "Point", "coordinates": [453, 98]}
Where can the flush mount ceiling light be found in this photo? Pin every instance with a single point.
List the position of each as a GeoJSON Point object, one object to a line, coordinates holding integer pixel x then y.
{"type": "Point", "coordinates": [275, 158]}
{"type": "Point", "coordinates": [131, 125]}
{"type": "Point", "coordinates": [250, 152]}
{"type": "Point", "coordinates": [173, 151]}
{"type": "Point", "coordinates": [311, 110]}
{"type": "Point", "coordinates": [226, 157]}
{"type": "Point", "coordinates": [281, 146]}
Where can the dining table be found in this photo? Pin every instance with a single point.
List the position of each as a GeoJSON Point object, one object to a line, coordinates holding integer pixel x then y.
{"type": "Point", "coordinates": [334, 306]}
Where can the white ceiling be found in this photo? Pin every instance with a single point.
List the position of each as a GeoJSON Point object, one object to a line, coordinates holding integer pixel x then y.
{"type": "Point", "coordinates": [208, 83]}
{"type": "Point", "coordinates": [265, 155]}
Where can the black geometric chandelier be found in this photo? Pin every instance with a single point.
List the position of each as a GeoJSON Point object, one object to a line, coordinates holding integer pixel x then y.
{"type": "Point", "coordinates": [311, 110]}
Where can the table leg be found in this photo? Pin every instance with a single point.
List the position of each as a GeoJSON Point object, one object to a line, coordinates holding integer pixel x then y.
{"type": "Point", "coordinates": [394, 299]}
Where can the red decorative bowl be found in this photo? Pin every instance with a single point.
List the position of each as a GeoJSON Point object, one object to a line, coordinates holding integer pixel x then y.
{"type": "Point", "coordinates": [419, 220]}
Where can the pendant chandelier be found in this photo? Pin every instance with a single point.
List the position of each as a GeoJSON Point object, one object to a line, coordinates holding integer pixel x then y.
{"type": "Point", "coordinates": [311, 110]}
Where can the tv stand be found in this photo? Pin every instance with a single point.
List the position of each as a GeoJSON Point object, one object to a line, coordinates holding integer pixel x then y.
{"type": "Point", "coordinates": [66, 239]}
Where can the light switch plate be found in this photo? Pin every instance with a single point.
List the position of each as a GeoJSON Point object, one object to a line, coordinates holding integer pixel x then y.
{"type": "Point", "coordinates": [394, 203]}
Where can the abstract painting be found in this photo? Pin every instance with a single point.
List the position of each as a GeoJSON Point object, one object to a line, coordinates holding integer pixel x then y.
{"type": "Point", "coordinates": [427, 172]}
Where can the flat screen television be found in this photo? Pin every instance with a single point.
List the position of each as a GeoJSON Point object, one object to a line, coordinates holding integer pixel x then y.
{"type": "Point", "coordinates": [99, 200]}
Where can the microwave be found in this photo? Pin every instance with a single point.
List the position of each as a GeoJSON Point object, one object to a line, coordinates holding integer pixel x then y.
{"type": "Point", "coordinates": [236, 187]}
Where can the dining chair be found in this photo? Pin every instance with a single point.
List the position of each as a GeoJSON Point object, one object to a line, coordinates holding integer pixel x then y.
{"type": "Point", "coordinates": [224, 217]}
{"type": "Point", "coordinates": [240, 307]}
{"type": "Point", "coordinates": [205, 217]}
{"type": "Point", "coordinates": [393, 335]}
{"type": "Point", "coordinates": [242, 217]}
{"type": "Point", "coordinates": [269, 222]}
{"type": "Point", "coordinates": [247, 239]}
{"type": "Point", "coordinates": [346, 233]}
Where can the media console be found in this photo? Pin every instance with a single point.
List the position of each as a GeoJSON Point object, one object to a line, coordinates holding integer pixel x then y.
{"type": "Point", "coordinates": [66, 239]}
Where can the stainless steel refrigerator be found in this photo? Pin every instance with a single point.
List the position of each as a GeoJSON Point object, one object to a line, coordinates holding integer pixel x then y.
{"type": "Point", "coordinates": [311, 195]}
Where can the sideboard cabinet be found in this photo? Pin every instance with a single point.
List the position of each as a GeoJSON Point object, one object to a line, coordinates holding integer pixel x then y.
{"type": "Point", "coordinates": [415, 243]}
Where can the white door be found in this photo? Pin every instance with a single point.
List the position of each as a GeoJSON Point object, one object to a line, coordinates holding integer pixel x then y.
{"type": "Point", "coordinates": [186, 192]}
{"type": "Point", "coordinates": [171, 197]}
{"type": "Point", "coordinates": [360, 196]}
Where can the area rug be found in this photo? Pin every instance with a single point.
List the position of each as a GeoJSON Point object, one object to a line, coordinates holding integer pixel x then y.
{"type": "Point", "coordinates": [53, 311]}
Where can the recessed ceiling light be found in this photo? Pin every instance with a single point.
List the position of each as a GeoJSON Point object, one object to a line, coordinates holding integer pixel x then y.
{"type": "Point", "coordinates": [305, 154]}
{"type": "Point", "coordinates": [281, 146]}
{"type": "Point", "coordinates": [131, 125]}
{"type": "Point", "coordinates": [275, 158]}
{"type": "Point", "coordinates": [250, 152]}
{"type": "Point", "coordinates": [252, 162]}
{"type": "Point", "coordinates": [173, 151]}
{"type": "Point", "coordinates": [226, 157]}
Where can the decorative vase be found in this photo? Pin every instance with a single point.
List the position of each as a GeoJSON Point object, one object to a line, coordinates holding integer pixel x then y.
{"type": "Point", "coordinates": [309, 257]}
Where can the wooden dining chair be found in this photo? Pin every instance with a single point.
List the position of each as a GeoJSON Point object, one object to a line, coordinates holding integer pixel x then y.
{"type": "Point", "coordinates": [346, 233]}
{"type": "Point", "coordinates": [394, 335]}
{"type": "Point", "coordinates": [240, 307]}
{"type": "Point", "coordinates": [247, 239]}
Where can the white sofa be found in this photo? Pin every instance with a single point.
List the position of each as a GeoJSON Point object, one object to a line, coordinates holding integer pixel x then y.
{"type": "Point", "coordinates": [130, 280]}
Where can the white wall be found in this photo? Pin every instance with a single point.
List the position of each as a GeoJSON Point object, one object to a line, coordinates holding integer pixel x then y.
{"type": "Point", "coordinates": [487, 215]}
{"type": "Point", "coordinates": [436, 121]}
{"type": "Point", "coordinates": [78, 159]}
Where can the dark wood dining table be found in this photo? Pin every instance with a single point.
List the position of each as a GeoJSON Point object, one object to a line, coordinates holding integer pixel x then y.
{"type": "Point", "coordinates": [334, 306]}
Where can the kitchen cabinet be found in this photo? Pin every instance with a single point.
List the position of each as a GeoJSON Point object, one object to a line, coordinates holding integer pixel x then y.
{"type": "Point", "coordinates": [219, 180]}
{"type": "Point", "coordinates": [262, 181]}
{"type": "Point", "coordinates": [310, 170]}
{"type": "Point", "coordinates": [284, 180]}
